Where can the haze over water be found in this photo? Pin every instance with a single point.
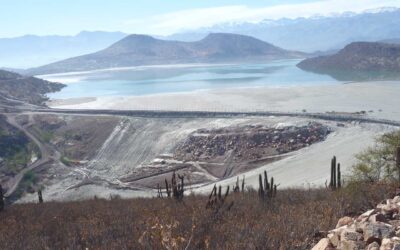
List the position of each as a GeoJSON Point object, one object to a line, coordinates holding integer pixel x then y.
{"type": "Point", "coordinates": [183, 78]}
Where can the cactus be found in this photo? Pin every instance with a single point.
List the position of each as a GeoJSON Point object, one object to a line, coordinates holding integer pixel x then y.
{"type": "Point", "coordinates": [177, 188]}
{"type": "Point", "coordinates": [168, 190]}
{"type": "Point", "coordinates": [398, 161]}
{"type": "Point", "coordinates": [266, 184]}
{"type": "Point", "coordinates": [236, 188]}
{"type": "Point", "coordinates": [243, 184]}
{"type": "Point", "coordinates": [272, 184]}
{"type": "Point", "coordinates": [216, 200]}
{"type": "Point", "coordinates": [159, 191]}
{"type": "Point", "coordinates": [260, 188]}
{"type": "Point", "coordinates": [1, 199]}
{"type": "Point", "coordinates": [266, 189]}
{"type": "Point", "coordinates": [40, 196]}
{"type": "Point", "coordinates": [336, 175]}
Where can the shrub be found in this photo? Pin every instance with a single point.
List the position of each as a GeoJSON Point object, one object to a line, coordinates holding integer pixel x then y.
{"type": "Point", "coordinates": [378, 162]}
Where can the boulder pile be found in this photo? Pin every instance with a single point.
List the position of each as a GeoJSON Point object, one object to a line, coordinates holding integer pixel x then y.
{"type": "Point", "coordinates": [376, 229]}
{"type": "Point", "coordinates": [248, 142]}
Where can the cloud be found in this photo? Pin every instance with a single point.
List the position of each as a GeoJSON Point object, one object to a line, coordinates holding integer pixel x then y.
{"type": "Point", "coordinates": [191, 19]}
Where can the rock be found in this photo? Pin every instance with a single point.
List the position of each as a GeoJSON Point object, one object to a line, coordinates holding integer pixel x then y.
{"type": "Point", "coordinates": [388, 209]}
{"type": "Point", "coordinates": [395, 224]}
{"type": "Point", "coordinates": [334, 239]}
{"type": "Point", "coordinates": [377, 218]}
{"type": "Point", "coordinates": [344, 221]}
{"type": "Point", "coordinates": [387, 244]}
{"type": "Point", "coordinates": [377, 231]}
{"type": "Point", "coordinates": [351, 245]}
{"type": "Point", "coordinates": [351, 235]}
{"type": "Point", "coordinates": [396, 199]}
{"type": "Point", "coordinates": [373, 246]}
{"type": "Point", "coordinates": [368, 213]}
{"type": "Point", "coordinates": [323, 244]}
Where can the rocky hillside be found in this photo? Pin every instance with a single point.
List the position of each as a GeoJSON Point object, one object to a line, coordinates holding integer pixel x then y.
{"type": "Point", "coordinates": [145, 50]}
{"type": "Point", "coordinates": [15, 151]}
{"type": "Point", "coordinates": [378, 228]}
{"type": "Point", "coordinates": [358, 57]}
{"type": "Point", "coordinates": [28, 89]}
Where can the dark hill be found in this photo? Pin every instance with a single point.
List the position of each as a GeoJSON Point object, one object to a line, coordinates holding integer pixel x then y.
{"type": "Point", "coordinates": [358, 61]}
{"type": "Point", "coordinates": [28, 89]}
{"type": "Point", "coordinates": [135, 50]}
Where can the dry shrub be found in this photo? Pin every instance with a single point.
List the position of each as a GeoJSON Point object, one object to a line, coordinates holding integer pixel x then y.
{"type": "Point", "coordinates": [292, 220]}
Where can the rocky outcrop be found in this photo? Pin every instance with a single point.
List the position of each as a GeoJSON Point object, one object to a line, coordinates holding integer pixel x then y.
{"type": "Point", "coordinates": [376, 229]}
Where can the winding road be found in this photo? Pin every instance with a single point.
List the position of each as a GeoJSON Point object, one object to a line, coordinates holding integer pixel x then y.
{"type": "Point", "coordinates": [47, 156]}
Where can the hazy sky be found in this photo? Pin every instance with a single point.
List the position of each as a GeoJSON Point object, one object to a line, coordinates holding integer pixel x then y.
{"type": "Point", "coordinates": [163, 17]}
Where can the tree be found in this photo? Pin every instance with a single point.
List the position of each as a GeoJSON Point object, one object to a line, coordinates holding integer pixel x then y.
{"type": "Point", "coordinates": [379, 161]}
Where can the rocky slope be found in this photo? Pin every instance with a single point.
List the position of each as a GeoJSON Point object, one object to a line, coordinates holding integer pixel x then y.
{"type": "Point", "coordinates": [145, 50]}
{"type": "Point", "coordinates": [374, 60]}
{"type": "Point", "coordinates": [376, 229]}
{"type": "Point", "coordinates": [28, 89]}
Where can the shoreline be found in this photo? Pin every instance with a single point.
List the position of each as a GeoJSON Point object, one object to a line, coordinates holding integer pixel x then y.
{"type": "Point", "coordinates": [378, 99]}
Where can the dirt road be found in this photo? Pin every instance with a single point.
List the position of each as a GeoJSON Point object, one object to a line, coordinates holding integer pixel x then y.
{"type": "Point", "coordinates": [47, 155]}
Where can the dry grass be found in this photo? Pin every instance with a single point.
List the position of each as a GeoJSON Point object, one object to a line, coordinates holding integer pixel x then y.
{"type": "Point", "coordinates": [290, 221]}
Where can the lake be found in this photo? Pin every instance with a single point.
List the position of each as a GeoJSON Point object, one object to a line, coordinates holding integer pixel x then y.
{"type": "Point", "coordinates": [147, 80]}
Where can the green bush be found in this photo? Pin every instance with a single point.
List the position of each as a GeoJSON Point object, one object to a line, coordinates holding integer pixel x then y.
{"type": "Point", "coordinates": [378, 162]}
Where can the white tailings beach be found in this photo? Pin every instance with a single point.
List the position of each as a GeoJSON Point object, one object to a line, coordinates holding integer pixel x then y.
{"type": "Point", "coordinates": [381, 98]}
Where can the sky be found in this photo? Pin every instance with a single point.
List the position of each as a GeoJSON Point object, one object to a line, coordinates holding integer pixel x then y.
{"type": "Point", "coordinates": [158, 17]}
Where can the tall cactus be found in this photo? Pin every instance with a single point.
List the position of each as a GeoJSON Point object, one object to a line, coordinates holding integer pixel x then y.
{"type": "Point", "coordinates": [336, 175]}
{"type": "Point", "coordinates": [40, 196]}
{"type": "Point", "coordinates": [261, 191]}
{"type": "Point", "coordinates": [266, 189]}
{"type": "Point", "coordinates": [167, 188]}
{"type": "Point", "coordinates": [243, 184]}
{"type": "Point", "coordinates": [398, 161]}
{"type": "Point", "coordinates": [1, 199]}
{"type": "Point", "coordinates": [333, 172]}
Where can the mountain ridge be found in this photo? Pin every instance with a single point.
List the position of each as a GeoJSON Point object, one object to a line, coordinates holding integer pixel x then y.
{"type": "Point", "coordinates": [136, 50]}
{"type": "Point", "coordinates": [317, 33]}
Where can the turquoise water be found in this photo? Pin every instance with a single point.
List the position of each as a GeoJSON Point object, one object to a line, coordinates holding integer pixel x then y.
{"type": "Point", "coordinates": [171, 79]}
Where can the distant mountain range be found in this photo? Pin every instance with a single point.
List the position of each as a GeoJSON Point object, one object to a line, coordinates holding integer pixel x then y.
{"type": "Point", "coordinates": [320, 35]}
{"type": "Point", "coordinates": [137, 50]}
{"type": "Point", "coordinates": [359, 61]}
{"type": "Point", "coordinates": [32, 90]}
{"type": "Point", "coordinates": [314, 33]}
{"type": "Point", "coordinates": [31, 51]}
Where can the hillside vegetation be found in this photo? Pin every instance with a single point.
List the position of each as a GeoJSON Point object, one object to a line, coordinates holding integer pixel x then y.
{"type": "Point", "coordinates": [294, 219]}
{"type": "Point", "coordinates": [15, 150]}
{"type": "Point", "coordinates": [28, 89]}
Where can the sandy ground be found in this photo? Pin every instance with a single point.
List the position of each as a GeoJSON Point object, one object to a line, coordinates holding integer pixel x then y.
{"type": "Point", "coordinates": [382, 98]}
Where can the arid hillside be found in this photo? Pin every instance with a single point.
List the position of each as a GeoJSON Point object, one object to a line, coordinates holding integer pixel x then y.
{"type": "Point", "coordinates": [294, 219]}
